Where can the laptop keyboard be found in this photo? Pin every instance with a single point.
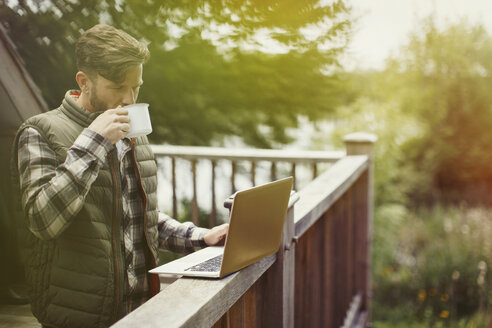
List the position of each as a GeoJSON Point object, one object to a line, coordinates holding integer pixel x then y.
{"type": "Point", "coordinates": [210, 265]}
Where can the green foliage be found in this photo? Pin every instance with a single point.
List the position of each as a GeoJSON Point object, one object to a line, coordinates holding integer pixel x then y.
{"type": "Point", "coordinates": [209, 74]}
{"type": "Point", "coordinates": [432, 111]}
{"type": "Point", "coordinates": [447, 75]}
{"type": "Point", "coordinates": [432, 267]}
{"type": "Point", "coordinates": [378, 113]}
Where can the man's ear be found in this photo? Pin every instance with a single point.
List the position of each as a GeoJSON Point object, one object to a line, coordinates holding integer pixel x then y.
{"type": "Point", "coordinates": [83, 81]}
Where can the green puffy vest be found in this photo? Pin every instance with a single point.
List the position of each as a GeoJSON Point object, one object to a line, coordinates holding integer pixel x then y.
{"type": "Point", "coordinates": [78, 279]}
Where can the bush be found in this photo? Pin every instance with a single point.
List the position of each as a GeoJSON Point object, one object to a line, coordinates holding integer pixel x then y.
{"type": "Point", "coordinates": [431, 266]}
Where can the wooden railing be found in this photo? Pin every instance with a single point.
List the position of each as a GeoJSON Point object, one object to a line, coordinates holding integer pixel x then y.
{"type": "Point", "coordinates": [320, 277]}
{"type": "Point", "coordinates": [235, 156]}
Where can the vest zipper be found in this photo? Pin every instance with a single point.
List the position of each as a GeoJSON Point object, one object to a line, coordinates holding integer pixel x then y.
{"type": "Point", "coordinates": [154, 279]}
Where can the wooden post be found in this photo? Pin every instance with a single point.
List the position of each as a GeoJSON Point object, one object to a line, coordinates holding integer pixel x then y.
{"type": "Point", "coordinates": [315, 170]}
{"type": "Point", "coordinates": [253, 173]}
{"type": "Point", "coordinates": [361, 143]}
{"type": "Point", "coordinates": [233, 177]}
{"type": "Point", "coordinates": [278, 297]}
{"type": "Point", "coordinates": [194, 202]}
{"type": "Point", "coordinates": [213, 213]}
{"type": "Point", "coordinates": [293, 173]}
{"type": "Point", "coordinates": [175, 200]}
{"type": "Point", "coordinates": [273, 171]}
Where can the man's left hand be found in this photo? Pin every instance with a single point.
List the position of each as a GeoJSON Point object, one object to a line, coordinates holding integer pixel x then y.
{"type": "Point", "coordinates": [217, 235]}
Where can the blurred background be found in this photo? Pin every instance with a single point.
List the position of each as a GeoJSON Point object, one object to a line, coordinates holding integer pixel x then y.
{"type": "Point", "coordinates": [300, 75]}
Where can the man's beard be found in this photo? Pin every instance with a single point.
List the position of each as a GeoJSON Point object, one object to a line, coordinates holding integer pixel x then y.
{"type": "Point", "coordinates": [95, 102]}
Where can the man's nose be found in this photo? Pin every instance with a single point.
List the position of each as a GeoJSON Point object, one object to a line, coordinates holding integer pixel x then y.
{"type": "Point", "coordinates": [129, 98]}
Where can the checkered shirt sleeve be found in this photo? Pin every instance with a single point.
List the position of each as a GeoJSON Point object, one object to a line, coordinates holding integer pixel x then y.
{"type": "Point", "coordinates": [53, 193]}
{"type": "Point", "coordinates": [180, 237]}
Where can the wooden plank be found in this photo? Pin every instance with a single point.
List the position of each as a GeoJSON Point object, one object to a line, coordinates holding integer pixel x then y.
{"type": "Point", "coordinates": [300, 276]}
{"type": "Point", "coordinates": [273, 171]}
{"type": "Point", "coordinates": [248, 154]}
{"type": "Point", "coordinates": [347, 247]}
{"type": "Point", "coordinates": [175, 199]}
{"type": "Point", "coordinates": [350, 241]}
{"type": "Point", "coordinates": [362, 252]}
{"type": "Point", "coordinates": [279, 280]}
{"type": "Point", "coordinates": [315, 275]}
{"type": "Point", "coordinates": [235, 315]}
{"type": "Point", "coordinates": [262, 306]}
{"type": "Point", "coordinates": [221, 323]}
{"type": "Point", "coordinates": [314, 171]}
{"type": "Point", "coordinates": [293, 174]}
{"type": "Point", "coordinates": [329, 268]}
{"type": "Point", "coordinates": [309, 294]}
{"type": "Point", "coordinates": [321, 193]}
{"type": "Point", "coordinates": [339, 273]}
{"type": "Point", "coordinates": [195, 302]}
{"type": "Point", "coordinates": [288, 275]}
{"type": "Point", "coordinates": [213, 214]}
{"type": "Point", "coordinates": [233, 177]}
{"type": "Point", "coordinates": [194, 202]}
{"type": "Point", "coordinates": [250, 304]}
{"type": "Point", "coordinates": [253, 173]}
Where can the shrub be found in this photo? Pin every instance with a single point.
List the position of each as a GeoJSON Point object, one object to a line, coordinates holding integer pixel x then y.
{"type": "Point", "coordinates": [431, 266]}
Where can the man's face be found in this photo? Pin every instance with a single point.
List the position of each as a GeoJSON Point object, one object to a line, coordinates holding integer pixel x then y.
{"type": "Point", "coordinates": [106, 94]}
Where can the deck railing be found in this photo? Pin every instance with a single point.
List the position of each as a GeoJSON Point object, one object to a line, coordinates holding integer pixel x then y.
{"type": "Point", "coordinates": [235, 156]}
{"type": "Point", "coordinates": [320, 277]}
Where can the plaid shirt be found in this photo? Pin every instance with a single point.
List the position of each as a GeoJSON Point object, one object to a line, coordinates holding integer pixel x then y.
{"type": "Point", "coordinates": [53, 193]}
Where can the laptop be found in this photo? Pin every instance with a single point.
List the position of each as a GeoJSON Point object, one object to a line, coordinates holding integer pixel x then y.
{"type": "Point", "coordinates": [255, 231]}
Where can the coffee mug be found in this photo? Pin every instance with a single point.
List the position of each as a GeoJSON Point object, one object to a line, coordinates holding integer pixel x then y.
{"type": "Point", "coordinates": [139, 120]}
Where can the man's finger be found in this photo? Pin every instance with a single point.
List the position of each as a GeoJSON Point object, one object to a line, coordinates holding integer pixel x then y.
{"type": "Point", "coordinates": [121, 111]}
{"type": "Point", "coordinates": [124, 119]}
{"type": "Point", "coordinates": [125, 127]}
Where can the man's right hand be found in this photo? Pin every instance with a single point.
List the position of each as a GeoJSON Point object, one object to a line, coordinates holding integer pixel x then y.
{"type": "Point", "coordinates": [113, 124]}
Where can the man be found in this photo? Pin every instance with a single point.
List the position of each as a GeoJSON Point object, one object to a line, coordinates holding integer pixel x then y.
{"type": "Point", "coordinates": [89, 194]}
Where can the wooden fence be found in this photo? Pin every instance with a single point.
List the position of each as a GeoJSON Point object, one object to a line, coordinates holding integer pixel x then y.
{"type": "Point", "coordinates": [320, 277]}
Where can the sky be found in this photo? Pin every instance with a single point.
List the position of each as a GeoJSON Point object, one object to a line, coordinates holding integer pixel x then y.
{"type": "Point", "coordinates": [383, 26]}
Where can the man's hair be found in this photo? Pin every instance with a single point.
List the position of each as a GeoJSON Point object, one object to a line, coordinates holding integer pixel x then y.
{"type": "Point", "coordinates": [109, 52]}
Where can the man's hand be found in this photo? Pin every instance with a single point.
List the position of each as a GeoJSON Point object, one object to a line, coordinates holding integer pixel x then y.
{"type": "Point", "coordinates": [217, 235]}
{"type": "Point", "coordinates": [113, 124]}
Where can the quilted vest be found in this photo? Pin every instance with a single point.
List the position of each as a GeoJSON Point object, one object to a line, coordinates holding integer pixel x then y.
{"type": "Point", "coordinates": [78, 279]}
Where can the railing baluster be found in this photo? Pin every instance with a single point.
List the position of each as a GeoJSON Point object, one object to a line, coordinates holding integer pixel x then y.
{"type": "Point", "coordinates": [213, 214]}
{"type": "Point", "coordinates": [315, 170]}
{"type": "Point", "coordinates": [293, 173]}
{"type": "Point", "coordinates": [194, 202]}
{"type": "Point", "coordinates": [233, 177]}
{"type": "Point", "coordinates": [273, 171]}
{"type": "Point", "coordinates": [253, 173]}
{"type": "Point", "coordinates": [175, 201]}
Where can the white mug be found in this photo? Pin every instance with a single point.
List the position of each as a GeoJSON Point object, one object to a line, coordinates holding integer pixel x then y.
{"type": "Point", "coordinates": [139, 120]}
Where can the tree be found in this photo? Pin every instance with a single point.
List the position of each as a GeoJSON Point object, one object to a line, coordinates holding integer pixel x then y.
{"type": "Point", "coordinates": [212, 72]}
{"type": "Point", "coordinates": [432, 108]}
{"type": "Point", "coordinates": [451, 71]}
